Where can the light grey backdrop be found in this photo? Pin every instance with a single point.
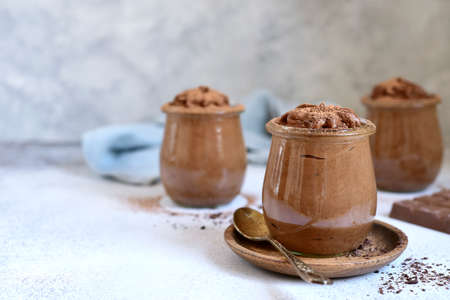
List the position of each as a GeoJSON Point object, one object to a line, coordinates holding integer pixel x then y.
{"type": "Point", "coordinates": [69, 66]}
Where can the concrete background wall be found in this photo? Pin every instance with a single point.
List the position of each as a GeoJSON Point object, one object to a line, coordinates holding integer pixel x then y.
{"type": "Point", "coordinates": [69, 66]}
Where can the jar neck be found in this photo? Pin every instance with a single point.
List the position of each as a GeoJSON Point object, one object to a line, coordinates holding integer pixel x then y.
{"type": "Point", "coordinates": [203, 111]}
{"type": "Point", "coordinates": [183, 116]}
{"type": "Point", "coordinates": [290, 132]}
{"type": "Point", "coordinates": [399, 104]}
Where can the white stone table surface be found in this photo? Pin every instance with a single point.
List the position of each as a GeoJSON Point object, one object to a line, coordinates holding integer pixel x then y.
{"type": "Point", "coordinates": [66, 233]}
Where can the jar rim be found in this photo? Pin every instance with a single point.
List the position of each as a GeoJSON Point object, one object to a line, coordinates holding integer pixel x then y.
{"type": "Point", "coordinates": [275, 128]}
{"type": "Point", "coordinates": [171, 109]}
{"type": "Point", "coordinates": [401, 104]}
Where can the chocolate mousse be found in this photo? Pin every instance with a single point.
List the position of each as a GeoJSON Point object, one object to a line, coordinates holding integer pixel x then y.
{"type": "Point", "coordinates": [399, 89]}
{"type": "Point", "coordinates": [320, 116]}
{"type": "Point", "coordinates": [407, 157]}
{"type": "Point", "coordinates": [202, 99]}
{"type": "Point", "coordinates": [202, 96]}
{"type": "Point", "coordinates": [319, 194]}
{"type": "Point", "coordinates": [203, 157]}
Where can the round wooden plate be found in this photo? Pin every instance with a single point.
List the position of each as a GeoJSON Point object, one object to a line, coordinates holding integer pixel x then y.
{"type": "Point", "coordinates": [263, 255]}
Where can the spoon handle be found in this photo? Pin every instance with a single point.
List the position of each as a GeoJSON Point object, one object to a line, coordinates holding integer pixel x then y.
{"type": "Point", "coordinates": [303, 270]}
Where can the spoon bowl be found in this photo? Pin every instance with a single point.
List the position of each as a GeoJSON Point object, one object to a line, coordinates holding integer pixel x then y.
{"type": "Point", "coordinates": [251, 225]}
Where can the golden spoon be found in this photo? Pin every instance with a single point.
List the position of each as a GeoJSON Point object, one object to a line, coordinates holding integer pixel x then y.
{"type": "Point", "coordinates": [250, 224]}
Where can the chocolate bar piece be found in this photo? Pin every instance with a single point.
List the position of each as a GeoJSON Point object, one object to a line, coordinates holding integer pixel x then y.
{"type": "Point", "coordinates": [431, 211]}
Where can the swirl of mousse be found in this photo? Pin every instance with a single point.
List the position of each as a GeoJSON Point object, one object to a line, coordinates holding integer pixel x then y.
{"type": "Point", "coordinates": [320, 116]}
{"type": "Point", "coordinates": [201, 96]}
{"type": "Point", "coordinates": [399, 88]}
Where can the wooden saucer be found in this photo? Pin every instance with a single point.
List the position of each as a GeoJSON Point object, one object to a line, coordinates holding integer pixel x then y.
{"type": "Point", "coordinates": [263, 255]}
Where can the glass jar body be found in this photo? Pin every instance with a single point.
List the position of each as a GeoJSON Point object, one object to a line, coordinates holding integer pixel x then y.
{"type": "Point", "coordinates": [203, 158]}
{"type": "Point", "coordinates": [407, 148]}
{"type": "Point", "coordinates": [319, 193]}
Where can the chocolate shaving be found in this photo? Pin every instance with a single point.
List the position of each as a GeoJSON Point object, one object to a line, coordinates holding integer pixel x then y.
{"type": "Point", "coordinates": [414, 271]}
{"type": "Point", "coordinates": [368, 248]}
{"type": "Point", "coordinates": [412, 281]}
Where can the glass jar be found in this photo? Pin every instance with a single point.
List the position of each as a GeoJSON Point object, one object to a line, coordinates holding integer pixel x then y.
{"type": "Point", "coordinates": [203, 156]}
{"type": "Point", "coordinates": [319, 194]}
{"type": "Point", "coordinates": [407, 148]}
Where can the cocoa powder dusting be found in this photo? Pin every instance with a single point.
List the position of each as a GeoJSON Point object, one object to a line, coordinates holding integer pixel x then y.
{"type": "Point", "coordinates": [153, 204]}
{"type": "Point", "coordinates": [251, 199]}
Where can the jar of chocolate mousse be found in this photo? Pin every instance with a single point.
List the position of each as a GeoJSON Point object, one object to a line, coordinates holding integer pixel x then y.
{"type": "Point", "coordinates": [203, 156]}
{"type": "Point", "coordinates": [407, 148]}
{"type": "Point", "coordinates": [319, 194]}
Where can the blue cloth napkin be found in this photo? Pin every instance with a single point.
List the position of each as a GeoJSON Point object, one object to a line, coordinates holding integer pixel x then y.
{"type": "Point", "coordinates": [130, 153]}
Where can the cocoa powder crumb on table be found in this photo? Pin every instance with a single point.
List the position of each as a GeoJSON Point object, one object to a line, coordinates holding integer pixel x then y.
{"type": "Point", "coordinates": [214, 216]}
